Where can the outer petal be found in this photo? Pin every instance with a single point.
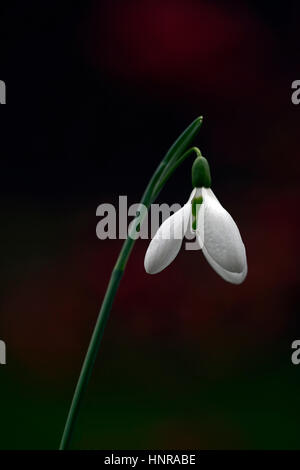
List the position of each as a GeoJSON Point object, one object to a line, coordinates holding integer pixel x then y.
{"type": "Point", "coordinates": [166, 243]}
{"type": "Point", "coordinates": [223, 246]}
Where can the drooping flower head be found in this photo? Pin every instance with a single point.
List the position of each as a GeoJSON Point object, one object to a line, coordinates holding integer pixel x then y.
{"type": "Point", "coordinates": [216, 232]}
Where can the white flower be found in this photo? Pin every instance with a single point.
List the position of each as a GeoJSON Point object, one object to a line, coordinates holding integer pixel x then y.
{"type": "Point", "coordinates": [216, 232]}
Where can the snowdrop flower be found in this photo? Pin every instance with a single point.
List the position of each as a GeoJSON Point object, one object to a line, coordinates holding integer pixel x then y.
{"type": "Point", "coordinates": [216, 232]}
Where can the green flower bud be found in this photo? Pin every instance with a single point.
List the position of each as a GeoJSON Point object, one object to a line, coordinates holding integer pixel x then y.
{"type": "Point", "coordinates": [201, 173]}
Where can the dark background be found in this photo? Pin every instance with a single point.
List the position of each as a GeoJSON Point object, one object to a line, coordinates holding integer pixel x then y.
{"type": "Point", "coordinates": [96, 93]}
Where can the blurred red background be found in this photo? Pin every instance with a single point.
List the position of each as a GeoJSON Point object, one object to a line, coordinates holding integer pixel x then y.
{"type": "Point", "coordinates": [187, 360]}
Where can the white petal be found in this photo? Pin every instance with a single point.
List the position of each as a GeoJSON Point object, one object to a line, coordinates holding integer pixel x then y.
{"type": "Point", "coordinates": [195, 192]}
{"type": "Point", "coordinates": [223, 246]}
{"type": "Point", "coordinates": [193, 243]}
{"type": "Point", "coordinates": [196, 243]}
{"type": "Point", "coordinates": [166, 243]}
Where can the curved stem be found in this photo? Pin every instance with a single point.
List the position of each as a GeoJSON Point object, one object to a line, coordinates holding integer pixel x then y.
{"type": "Point", "coordinates": [148, 197]}
{"type": "Point", "coordinates": [170, 170]}
{"type": "Point", "coordinates": [184, 140]}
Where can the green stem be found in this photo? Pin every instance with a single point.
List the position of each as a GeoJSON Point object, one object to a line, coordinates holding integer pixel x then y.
{"type": "Point", "coordinates": [167, 173]}
{"type": "Point", "coordinates": [184, 140]}
{"type": "Point", "coordinates": [149, 196]}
